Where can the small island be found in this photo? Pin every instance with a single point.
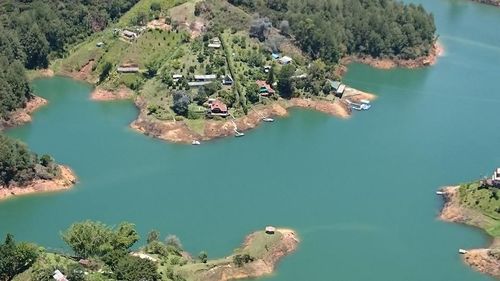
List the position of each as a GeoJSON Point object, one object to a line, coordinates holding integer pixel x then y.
{"type": "Point", "coordinates": [100, 251]}
{"type": "Point", "coordinates": [477, 204]}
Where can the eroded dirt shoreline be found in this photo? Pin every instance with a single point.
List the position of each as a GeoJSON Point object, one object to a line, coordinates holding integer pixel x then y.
{"type": "Point", "coordinates": [258, 268]}
{"type": "Point", "coordinates": [65, 180]}
{"type": "Point", "coordinates": [481, 260]}
{"type": "Point", "coordinates": [23, 115]}
{"type": "Point", "coordinates": [388, 63]}
{"type": "Point", "coordinates": [179, 131]}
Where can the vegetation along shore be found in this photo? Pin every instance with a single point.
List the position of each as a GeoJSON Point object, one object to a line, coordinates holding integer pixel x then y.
{"type": "Point", "coordinates": [489, 2]}
{"type": "Point", "coordinates": [24, 172]}
{"type": "Point", "coordinates": [100, 252]}
{"type": "Point", "coordinates": [477, 204]}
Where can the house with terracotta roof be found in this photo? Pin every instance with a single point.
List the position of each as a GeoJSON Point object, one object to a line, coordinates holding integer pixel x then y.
{"type": "Point", "coordinates": [264, 88]}
{"type": "Point", "coordinates": [218, 108]}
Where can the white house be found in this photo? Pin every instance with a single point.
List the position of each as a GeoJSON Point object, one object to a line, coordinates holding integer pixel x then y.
{"type": "Point", "coordinates": [285, 60]}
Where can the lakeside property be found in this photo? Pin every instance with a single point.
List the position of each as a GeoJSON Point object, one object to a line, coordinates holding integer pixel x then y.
{"type": "Point", "coordinates": [477, 204]}
{"type": "Point", "coordinates": [197, 74]}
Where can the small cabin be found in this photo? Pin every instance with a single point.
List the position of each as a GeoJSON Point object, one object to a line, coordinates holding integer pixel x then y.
{"type": "Point", "coordinates": [264, 88]}
{"type": "Point", "coordinates": [275, 56]}
{"type": "Point", "coordinates": [227, 80]}
{"type": "Point", "coordinates": [209, 77]}
{"type": "Point", "coordinates": [218, 108]}
{"type": "Point", "coordinates": [285, 60]}
{"type": "Point", "coordinates": [337, 88]}
{"type": "Point", "coordinates": [195, 84]}
{"type": "Point", "coordinates": [99, 44]}
{"type": "Point", "coordinates": [128, 68]}
{"type": "Point", "coordinates": [215, 43]}
{"type": "Point", "coordinates": [270, 229]}
{"type": "Point", "coordinates": [129, 34]}
{"type": "Point", "coordinates": [176, 77]}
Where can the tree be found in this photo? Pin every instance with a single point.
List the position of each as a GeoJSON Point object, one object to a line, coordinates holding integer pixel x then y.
{"type": "Point", "coordinates": [173, 241]}
{"type": "Point", "coordinates": [155, 6]}
{"type": "Point", "coordinates": [203, 257]}
{"type": "Point", "coordinates": [15, 258]}
{"type": "Point", "coordinates": [270, 75]}
{"type": "Point", "coordinates": [201, 96]}
{"type": "Point", "coordinates": [153, 235]}
{"type": "Point", "coordinates": [130, 268]}
{"type": "Point", "coordinates": [181, 103]}
{"type": "Point", "coordinates": [106, 69]}
{"type": "Point", "coordinates": [152, 67]}
{"type": "Point", "coordinates": [285, 27]}
{"type": "Point", "coordinates": [285, 81]}
{"type": "Point", "coordinates": [228, 98]}
{"type": "Point", "coordinates": [89, 238]}
{"type": "Point", "coordinates": [260, 28]}
{"type": "Point", "coordinates": [36, 48]}
{"type": "Point", "coordinates": [252, 93]}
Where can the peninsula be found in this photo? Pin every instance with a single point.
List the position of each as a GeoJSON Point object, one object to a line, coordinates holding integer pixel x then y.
{"type": "Point", "coordinates": [24, 172]}
{"type": "Point", "coordinates": [477, 204]}
{"type": "Point", "coordinates": [157, 260]}
{"type": "Point", "coordinates": [199, 70]}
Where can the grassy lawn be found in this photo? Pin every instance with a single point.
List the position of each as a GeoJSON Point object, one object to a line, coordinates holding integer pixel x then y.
{"type": "Point", "coordinates": [484, 200]}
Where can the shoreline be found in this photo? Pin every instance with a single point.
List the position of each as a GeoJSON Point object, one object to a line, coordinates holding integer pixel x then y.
{"type": "Point", "coordinates": [64, 181]}
{"type": "Point", "coordinates": [261, 266]}
{"type": "Point", "coordinates": [122, 93]}
{"type": "Point", "coordinates": [495, 3]}
{"type": "Point", "coordinates": [179, 131]}
{"type": "Point", "coordinates": [436, 51]}
{"type": "Point", "coordinates": [23, 115]}
{"type": "Point", "coordinates": [479, 259]}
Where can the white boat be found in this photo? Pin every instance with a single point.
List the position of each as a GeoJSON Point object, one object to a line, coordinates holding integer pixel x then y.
{"type": "Point", "coordinates": [195, 142]}
{"type": "Point", "coordinates": [361, 106]}
{"type": "Point", "coordinates": [462, 251]}
{"type": "Point", "coordinates": [365, 101]}
{"type": "Point", "coordinates": [365, 106]}
{"type": "Point", "coordinates": [238, 134]}
{"type": "Point", "coordinates": [440, 192]}
{"type": "Point", "coordinates": [267, 119]}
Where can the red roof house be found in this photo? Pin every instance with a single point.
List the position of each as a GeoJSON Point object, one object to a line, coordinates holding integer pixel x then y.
{"type": "Point", "coordinates": [219, 108]}
{"type": "Point", "coordinates": [265, 88]}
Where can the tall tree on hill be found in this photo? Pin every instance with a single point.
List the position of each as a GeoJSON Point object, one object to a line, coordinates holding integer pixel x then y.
{"type": "Point", "coordinates": [36, 48]}
{"type": "Point", "coordinates": [181, 103]}
{"type": "Point", "coordinates": [15, 258]}
{"type": "Point", "coordinates": [285, 81]}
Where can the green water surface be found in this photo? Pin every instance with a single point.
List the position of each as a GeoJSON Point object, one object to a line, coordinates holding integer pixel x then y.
{"type": "Point", "coordinates": [360, 192]}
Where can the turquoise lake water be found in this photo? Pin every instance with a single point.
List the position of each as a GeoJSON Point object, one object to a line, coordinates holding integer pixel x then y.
{"type": "Point", "coordinates": [360, 192]}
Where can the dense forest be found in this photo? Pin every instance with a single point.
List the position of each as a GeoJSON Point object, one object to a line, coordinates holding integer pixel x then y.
{"type": "Point", "coordinates": [33, 32]}
{"type": "Point", "coordinates": [18, 165]}
{"type": "Point", "coordinates": [331, 29]}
